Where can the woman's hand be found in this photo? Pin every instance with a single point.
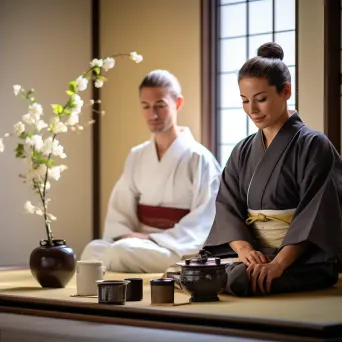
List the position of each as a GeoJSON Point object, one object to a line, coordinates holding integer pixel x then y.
{"type": "Point", "coordinates": [261, 276]}
{"type": "Point", "coordinates": [247, 254]}
{"type": "Point", "coordinates": [250, 256]}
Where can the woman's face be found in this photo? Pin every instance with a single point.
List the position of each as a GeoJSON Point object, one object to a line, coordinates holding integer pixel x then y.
{"type": "Point", "coordinates": [261, 101]}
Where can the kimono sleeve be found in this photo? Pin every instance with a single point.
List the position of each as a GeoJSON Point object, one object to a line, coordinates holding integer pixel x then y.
{"type": "Point", "coordinates": [121, 215]}
{"type": "Point", "coordinates": [189, 234]}
{"type": "Point", "coordinates": [318, 217]}
{"type": "Point", "coordinates": [231, 211]}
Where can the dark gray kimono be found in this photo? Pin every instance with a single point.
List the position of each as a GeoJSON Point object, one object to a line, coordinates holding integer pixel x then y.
{"type": "Point", "coordinates": [300, 169]}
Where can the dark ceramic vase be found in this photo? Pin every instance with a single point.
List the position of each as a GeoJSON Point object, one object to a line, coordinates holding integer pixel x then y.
{"type": "Point", "coordinates": [53, 266]}
{"type": "Point", "coordinates": [203, 278]}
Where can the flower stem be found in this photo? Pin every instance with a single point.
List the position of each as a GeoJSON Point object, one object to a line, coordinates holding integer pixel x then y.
{"type": "Point", "coordinates": [48, 231]}
{"type": "Point", "coordinates": [47, 221]}
{"type": "Point", "coordinates": [46, 174]}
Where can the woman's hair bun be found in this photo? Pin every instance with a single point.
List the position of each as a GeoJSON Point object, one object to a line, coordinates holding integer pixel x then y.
{"type": "Point", "coordinates": [271, 50]}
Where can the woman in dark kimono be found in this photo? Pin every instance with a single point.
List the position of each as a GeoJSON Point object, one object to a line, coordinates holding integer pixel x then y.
{"type": "Point", "coordinates": [278, 208]}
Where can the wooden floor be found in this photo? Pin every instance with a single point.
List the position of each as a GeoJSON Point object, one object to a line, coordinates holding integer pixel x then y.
{"type": "Point", "coordinates": [15, 328]}
{"type": "Point", "coordinates": [313, 316]}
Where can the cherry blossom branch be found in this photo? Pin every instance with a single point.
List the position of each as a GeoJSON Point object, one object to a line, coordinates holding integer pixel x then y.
{"type": "Point", "coordinates": [39, 152]}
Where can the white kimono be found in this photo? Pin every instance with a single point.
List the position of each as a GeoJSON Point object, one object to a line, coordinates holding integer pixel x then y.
{"type": "Point", "coordinates": [187, 177]}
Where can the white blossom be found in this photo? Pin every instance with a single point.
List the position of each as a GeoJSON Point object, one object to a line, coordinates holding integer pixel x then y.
{"type": "Point", "coordinates": [73, 119]}
{"type": "Point", "coordinates": [98, 83]}
{"type": "Point", "coordinates": [135, 57]}
{"type": "Point", "coordinates": [40, 125]}
{"type": "Point", "coordinates": [39, 212]}
{"type": "Point", "coordinates": [34, 114]}
{"type": "Point", "coordinates": [108, 63]}
{"type": "Point", "coordinates": [54, 120]}
{"type": "Point", "coordinates": [47, 186]}
{"type": "Point", "coordinates": [53, 147]}
{"type": "Point", "coordinates": [62, 167]}
{"type": "Point", "coordinates": [35, 141]}
{"type": "Point", "coordinates": [39, 172]}
{"type": "Point", "coordinates": [29, 119]}
{"type": "Point", "coordinates": [16, 89]}
{"type": "Point", "coordinates": [77, 103]}
{"type": "Point", "coordinates": [59, 127]}
{"type": "Point", "coordinates": [81, 83]}
{"type": "Point", "coordinates": [96, 62]}
{"type": "Point", "coordinates": [55, 172]}
{"type": "Point", "coordinates": [36, 109]}
{"type": "Point", "coordinates": [2, 146]}
{"type": "Point", "coordinates": [19, 128]}
{"type": "Point", "coordinates": [52, 217]}
{"type": "Point", "coordinates": [47, 148]}
{"type": "Point", "coordinates": [57, 148]}
{"type": "Point", "coordinates": [139, 59]}
{"type": "Point", "coordinates": [29, 208]}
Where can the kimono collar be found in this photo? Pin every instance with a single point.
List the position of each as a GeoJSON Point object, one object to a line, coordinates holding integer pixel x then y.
{"type": "Point", "coordinates": [264, 162]}
{"type": "Point", "coordinates": [181, 144]}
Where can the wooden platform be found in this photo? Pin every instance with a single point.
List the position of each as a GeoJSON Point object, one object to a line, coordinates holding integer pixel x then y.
{"type": "Point", "coordinates": [310, 316]}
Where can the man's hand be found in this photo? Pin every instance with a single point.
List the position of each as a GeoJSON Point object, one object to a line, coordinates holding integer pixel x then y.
{"type": "Point", "coordinates": [261, 276]}
{"type": "Point", "coordinates": [136, 235]}
{"type": "Point", "coordinates": [250, 256]}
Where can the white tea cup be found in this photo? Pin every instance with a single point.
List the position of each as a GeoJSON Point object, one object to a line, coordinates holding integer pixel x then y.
{"type": "Point", "coordinates": [87, 273]}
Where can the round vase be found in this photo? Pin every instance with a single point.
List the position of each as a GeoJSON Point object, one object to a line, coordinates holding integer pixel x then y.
{"type": "Point", "coordinates": [53, 266]}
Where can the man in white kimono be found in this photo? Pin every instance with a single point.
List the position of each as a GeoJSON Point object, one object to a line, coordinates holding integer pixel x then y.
{"type": "Point", "coordinates": [163, 206]}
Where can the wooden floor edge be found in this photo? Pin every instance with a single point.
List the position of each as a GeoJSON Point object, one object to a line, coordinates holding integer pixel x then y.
{"type": "Point", "coordinates": [159, 325]}
{"type": "Point", "coordinates": [14, 268]}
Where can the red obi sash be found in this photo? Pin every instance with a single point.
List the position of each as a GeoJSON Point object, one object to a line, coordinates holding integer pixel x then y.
{"type": "Point", "coordinates": [160, 217]}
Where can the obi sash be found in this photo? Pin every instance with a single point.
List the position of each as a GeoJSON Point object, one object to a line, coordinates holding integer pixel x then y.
{"type": "Point", "coordinates": [160, 217]}
{"type": "Point", "coordinates": [270, 226]}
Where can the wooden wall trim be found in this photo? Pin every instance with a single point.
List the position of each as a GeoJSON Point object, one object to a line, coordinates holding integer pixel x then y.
{"type": "Point", "coordinates": [96, 127]}
{"type": "Point", "coordinates": [209, 87]}
{"type": "Point", "coordinates": [297, 55]}
{"type": "Point", "coordinates": [332, 71]}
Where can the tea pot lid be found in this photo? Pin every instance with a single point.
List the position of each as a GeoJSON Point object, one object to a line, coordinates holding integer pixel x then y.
{"type": "Point", "coordinates": [202, 259]}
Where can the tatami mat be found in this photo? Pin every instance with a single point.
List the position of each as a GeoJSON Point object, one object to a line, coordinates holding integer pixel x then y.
{"type": "Point", "coordinates": [322, 307]}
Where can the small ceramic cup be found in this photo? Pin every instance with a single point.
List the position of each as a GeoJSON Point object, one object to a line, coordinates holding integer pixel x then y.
{"type": "Point", "coordinates": [87, 273]}
{"type": "Point", "coordinates": [112, 291]}
{"type": "Point", "coordinates": [162, 291]}
{"type": "Point", "coordinates": [134, 289]}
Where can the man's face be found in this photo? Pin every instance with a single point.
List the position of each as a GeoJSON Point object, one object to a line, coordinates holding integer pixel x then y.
{"type": "Point", "coordinates": [159, 108]}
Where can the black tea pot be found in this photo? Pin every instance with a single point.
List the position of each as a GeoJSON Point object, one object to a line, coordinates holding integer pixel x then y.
{"type": "Point", "coordinates": [203, 277]}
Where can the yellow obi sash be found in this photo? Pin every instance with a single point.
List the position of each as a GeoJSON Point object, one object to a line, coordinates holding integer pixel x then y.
{"type": "Point", "coordinates": [270, 226]}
